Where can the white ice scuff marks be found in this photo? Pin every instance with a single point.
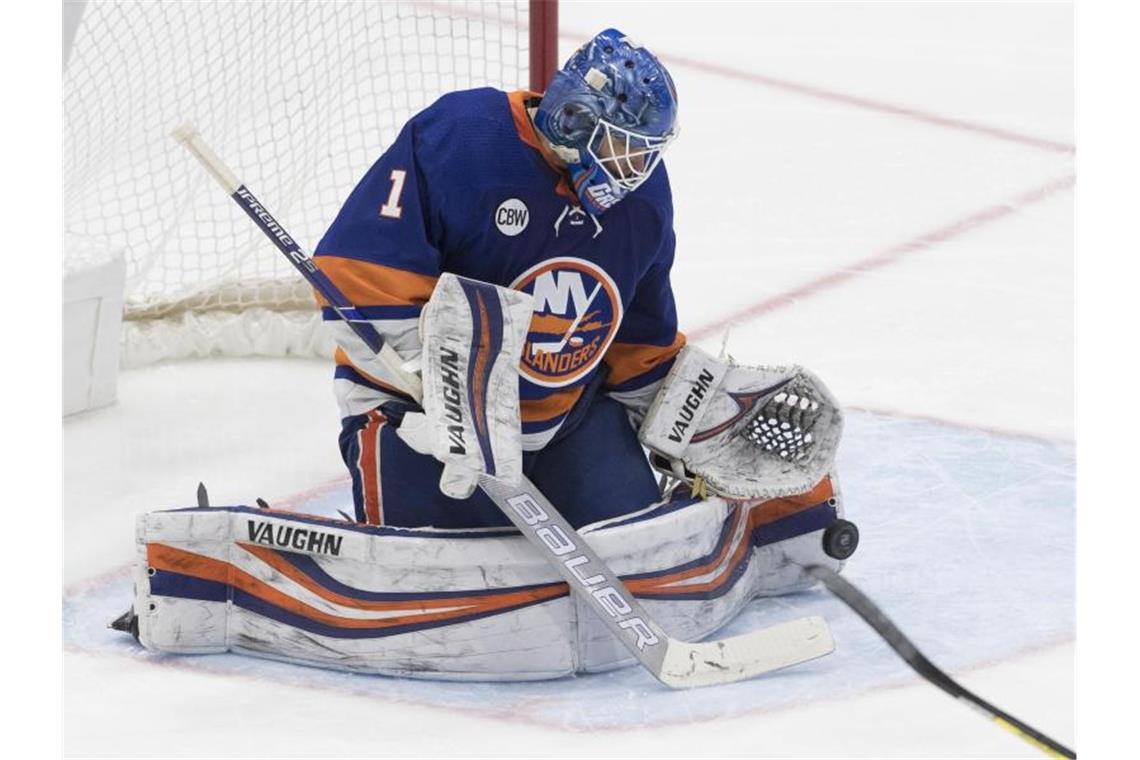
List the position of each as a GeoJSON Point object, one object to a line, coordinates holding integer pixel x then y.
{"type": "Point", "coordinates": [967, 543]}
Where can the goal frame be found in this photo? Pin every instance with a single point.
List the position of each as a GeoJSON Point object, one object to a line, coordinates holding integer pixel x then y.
{"type": "Point", "coordinates": [543, 31]}
{"type": "Point", "coordinates": [249, 312]}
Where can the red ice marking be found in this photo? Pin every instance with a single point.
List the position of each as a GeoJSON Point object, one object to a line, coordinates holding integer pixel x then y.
{"type": "Point", "coordinates": [872, 105]}
{"type": "Point", "coordinates": [834, 96]}
{"type": "Point", "coordinates": [943, 422]}
{"type": "Point", "coordinates": [291, 502]}
{"type": "Point", "coordinates": [889, 256]}
{"type": "Point", "coordinates": [576, 38]}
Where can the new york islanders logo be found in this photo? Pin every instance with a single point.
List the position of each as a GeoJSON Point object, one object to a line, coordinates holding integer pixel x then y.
{"type": "Point", "coordinates": [577, 311]}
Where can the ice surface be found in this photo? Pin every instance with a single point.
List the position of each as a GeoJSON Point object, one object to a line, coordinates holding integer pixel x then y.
{"type": "Point", "coordinates": [966, 542]}
{"type": "Point", "coordinates": [963, 486]}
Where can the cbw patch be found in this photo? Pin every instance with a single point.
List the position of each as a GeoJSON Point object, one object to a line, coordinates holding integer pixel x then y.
{"type": "Point", "coordinates": [577, 311]}
{"type": "Point", "coordinates": [512, 217]}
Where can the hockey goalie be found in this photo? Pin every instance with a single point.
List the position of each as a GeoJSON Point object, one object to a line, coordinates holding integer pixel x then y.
{"type": "Point", "coordinates": [514, 251]}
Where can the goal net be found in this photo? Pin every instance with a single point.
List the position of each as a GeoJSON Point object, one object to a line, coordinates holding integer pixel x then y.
{"type": "Point", "coordinates": [298, 97]}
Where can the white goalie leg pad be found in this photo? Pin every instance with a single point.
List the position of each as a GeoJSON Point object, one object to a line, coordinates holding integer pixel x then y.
{"type": "Point", "coordinates": [470, 605]}
{"type": "Point", "coordinates": [748, 432]}
{"type": "Point", "coordinates": [473, 335]}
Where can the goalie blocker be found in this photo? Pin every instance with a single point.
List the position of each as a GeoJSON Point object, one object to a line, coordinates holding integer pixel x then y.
{"type": "Point", "coordinates": [473, 334]}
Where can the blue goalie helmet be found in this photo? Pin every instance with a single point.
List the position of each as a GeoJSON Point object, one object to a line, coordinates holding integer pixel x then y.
{"type": "Point", "coordinates": [610, 112]}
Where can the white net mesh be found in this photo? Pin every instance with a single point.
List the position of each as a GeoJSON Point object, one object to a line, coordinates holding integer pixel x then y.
{"type": "Point", "coordinates": [299, 98]}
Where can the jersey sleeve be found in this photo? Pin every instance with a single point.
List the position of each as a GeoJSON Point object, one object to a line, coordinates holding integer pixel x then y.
{"type": "Point", "coordinates": [648, 340]}
{"type": "Point", "coordinates": [381, 251]}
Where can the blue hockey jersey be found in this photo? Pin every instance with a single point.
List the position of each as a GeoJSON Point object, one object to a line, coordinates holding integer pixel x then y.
{"type": "Point", "coordinates": [470, 187]}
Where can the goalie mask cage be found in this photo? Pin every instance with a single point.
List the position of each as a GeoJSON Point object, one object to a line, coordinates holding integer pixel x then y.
{"type": "Point", "coordinates": [299, 97]}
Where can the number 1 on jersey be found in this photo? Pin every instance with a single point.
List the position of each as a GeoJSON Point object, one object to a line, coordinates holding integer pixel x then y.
{"type": "Point", "coordinates": [391, 207]}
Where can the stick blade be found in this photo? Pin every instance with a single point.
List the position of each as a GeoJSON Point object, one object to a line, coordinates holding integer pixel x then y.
{"type": "Point", "coordinates": [687, 665]}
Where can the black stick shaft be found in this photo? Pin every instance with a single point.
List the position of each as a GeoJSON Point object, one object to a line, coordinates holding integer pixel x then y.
{"type": "Point", "coordinates": [273, 230]}
{"type": "Point", "coordinates": [861, 604]}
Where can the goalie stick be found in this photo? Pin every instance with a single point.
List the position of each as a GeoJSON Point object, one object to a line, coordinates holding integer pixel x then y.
{"type": "Point", "coordinates": [678, 664]}
{"type": "Point", "coordinates": [898, 641]}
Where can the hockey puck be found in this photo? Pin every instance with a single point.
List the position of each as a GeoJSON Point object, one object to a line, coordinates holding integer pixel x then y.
{"type": "Point", "coordinates": [841, 539]}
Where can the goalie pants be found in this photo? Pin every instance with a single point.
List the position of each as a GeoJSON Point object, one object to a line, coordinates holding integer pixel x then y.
{"type": "Point", "coordinates": [594, 471]}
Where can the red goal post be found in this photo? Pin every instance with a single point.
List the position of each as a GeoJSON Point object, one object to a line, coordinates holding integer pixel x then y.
{"type": "Point", "coordinates": [543, 43]}
{"type": "Point", "coordinates": [303, 96]}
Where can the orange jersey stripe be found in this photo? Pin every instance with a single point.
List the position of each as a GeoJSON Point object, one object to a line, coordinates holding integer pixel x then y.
{"type": "Point", "coordinates": [551, 407]}
{"type": "Point", "coordinates": [628, 360]}
{"type": "Point", "coordinates": [365, 283]}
